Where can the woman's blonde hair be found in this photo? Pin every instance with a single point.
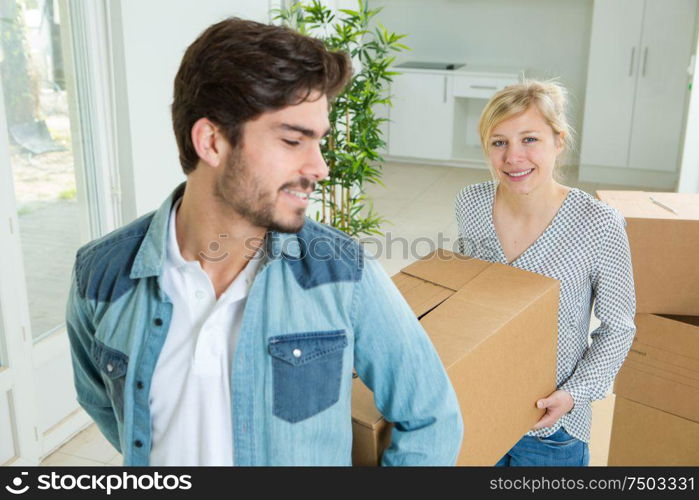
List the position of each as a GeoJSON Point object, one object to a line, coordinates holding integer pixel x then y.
{"type": "Point", "coordinates": [550, 97]}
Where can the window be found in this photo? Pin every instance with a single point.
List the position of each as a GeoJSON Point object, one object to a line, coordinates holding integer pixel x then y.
{"type": "Point", "coordinates": [42, 158]}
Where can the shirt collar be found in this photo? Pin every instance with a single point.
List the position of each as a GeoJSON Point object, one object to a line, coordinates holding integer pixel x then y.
{"type": "Point", "coordinates": [151, 254]}
{"type": "Point", "coordinates": [173, 253]}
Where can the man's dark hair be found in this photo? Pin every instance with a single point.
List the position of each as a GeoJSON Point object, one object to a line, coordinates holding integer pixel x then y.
{"type": "Point", "coordinates": [237, 69]}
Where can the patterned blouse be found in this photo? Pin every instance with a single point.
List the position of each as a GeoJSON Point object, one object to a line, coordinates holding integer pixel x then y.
{"type": "Point", "coordinates": [584, 247]}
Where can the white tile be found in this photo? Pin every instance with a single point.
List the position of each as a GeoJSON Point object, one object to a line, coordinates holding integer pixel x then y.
{"type": "Point", "coordinates": [386, 208]}
{"type": "Point", "coordinates": [90, 444]}
{"type": "Point", "coordinates": [409, 190]}
{"type": "Point", "coordinates": [59, 459]}
{"type": "Point", "coordinates": [448, 186]}
{"type": "Point", "coordinates": [404, 181]}
{"type": "Point", "coordinates": [393, 266]}
{"type": "Point", "coordinates": [427, 213]}
{"type": "Point", "coordinates": [408, 246]}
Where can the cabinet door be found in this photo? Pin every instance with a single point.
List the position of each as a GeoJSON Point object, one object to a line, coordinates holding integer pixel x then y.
{"type": "Point", "coordinates": [668, 31]}
{"type": "Point", "coordinates": [611, 77]}
{"type": "Point", "coordinates": [422, 116]}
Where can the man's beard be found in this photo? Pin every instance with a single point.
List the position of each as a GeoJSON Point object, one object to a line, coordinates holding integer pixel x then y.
{"type": "Point", "coordinates": [238, 188]}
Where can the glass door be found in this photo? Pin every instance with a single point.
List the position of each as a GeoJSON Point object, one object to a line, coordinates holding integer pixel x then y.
{"type": "Point", "coordinates": [53, 206]}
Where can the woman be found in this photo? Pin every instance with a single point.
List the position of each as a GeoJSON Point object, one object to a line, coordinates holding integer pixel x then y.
{"type": "Point", "coordinates": [526, 219]}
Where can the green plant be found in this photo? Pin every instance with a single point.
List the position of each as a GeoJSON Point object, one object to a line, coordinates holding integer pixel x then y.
{"type": "Point", "coordinates": [351, 148]}
{"type": "Point", "coordinates": [68, 194]}
{"type": "Point", "coordinates": [24, 210]}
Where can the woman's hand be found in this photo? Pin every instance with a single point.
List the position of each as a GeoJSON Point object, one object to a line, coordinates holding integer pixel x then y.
{"type": "Point", "coordinates": [557, 404]}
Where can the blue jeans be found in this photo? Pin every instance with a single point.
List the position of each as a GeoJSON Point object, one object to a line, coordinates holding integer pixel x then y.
{"type": "Point", "coordinates": [560, 449]}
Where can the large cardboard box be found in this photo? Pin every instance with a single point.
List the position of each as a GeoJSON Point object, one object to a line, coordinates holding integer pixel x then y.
{"type": "Point", "coordinates": [663, 248]}
{"type": "Point", "coordinates": [662, 367]}
{"type": "Point", "coordinates": [495, 329]}
{"type": "Point", "coordinates": [642, 435]}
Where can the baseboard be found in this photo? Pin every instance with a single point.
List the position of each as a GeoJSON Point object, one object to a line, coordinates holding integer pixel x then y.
{"type": "Point", "coordinates": [480, 164]}
{"type": "Point", "coordinates": [628, 177]}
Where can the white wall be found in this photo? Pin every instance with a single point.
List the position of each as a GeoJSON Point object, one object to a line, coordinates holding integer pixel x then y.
{"type": "Point", "coordinates": [546, 38]}
{"type": "Point", "coordinates": [149, 39]}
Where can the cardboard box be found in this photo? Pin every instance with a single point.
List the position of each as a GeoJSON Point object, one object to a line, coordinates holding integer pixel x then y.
{"type": "Point", "coordinates": [495, 329]}
{"type": "Point", "coordinates": [642, 435]}
{"type": "Point", "coordinates": [662, 368]}
{"type": "Point", "coordinates": [663, 249]}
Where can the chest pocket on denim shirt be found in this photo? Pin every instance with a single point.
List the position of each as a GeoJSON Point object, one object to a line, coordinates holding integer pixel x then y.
{"type": "Point", "coordinates": [306, 371]}
{"type": "Point", "coordinates": [112, 365]}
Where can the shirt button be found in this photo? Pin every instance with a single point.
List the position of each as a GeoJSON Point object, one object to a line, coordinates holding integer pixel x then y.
{"type": "Point", "coordinates": [158, 322]}
{"type": "Point", "coordinates": [297, 353]}
{"type": "Point", "coordinates": [110, 367]}
{"type": "Point", "coordinates": [138, 443]}
{"type": "Point", "coordinates": [139, 385]}
{"type": "Point", "coordinates": [200, 294]}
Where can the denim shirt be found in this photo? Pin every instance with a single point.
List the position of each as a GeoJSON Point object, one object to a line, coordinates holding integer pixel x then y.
{"type": "Point", "coordinates": [316, 309]}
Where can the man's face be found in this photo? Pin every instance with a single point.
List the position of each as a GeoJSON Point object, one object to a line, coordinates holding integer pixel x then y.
{"type": "Point", "coordinates": [269, 179]}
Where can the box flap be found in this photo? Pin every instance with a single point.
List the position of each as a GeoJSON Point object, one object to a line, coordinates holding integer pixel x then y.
{"type": "Point", "coordinates": [638, 360]}
{"type": "Point", "coordinates": [638, 204]}
{"type": "Point", "coordinates": [661, 389]}
{"type": "Point", "coordinates": [422, 296]}
{"type": "Point", "coordinates": [670, 366]}
{"type": "Point", "coordinates": [483, 306]}
{"type": "Point", "coordinates": [690, 320]}
{"type": "Point", "coordinates": [668, 335]}
{"type": "Point", "coordinates": [645, 436]}
{"type": "Point", "coordinates": [446, 269]}
{"type": "Point", "coordinates": [662, 367]}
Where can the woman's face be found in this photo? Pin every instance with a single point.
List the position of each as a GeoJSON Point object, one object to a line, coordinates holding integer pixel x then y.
{"type": "Point", "coordinates": [523, 151]}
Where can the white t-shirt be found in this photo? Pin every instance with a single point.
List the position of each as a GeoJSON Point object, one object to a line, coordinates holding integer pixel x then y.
{"type": "Point", "coordinates": [190, 401]}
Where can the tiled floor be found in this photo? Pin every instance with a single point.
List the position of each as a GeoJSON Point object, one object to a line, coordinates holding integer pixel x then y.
{"type": "Point", "coordinates": [418, 205]}
{"type": "Point", "coordinates": [87, 448]}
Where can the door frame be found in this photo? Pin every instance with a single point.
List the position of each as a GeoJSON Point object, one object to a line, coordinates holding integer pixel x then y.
{"type": "Point", "coordinates": [16, 374]}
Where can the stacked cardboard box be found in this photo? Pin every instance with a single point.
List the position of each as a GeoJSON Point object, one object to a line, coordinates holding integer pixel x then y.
{"type": "Point", "coordinates": [656, 415]}
{"type": "Point", "coordinates": [495, 330]}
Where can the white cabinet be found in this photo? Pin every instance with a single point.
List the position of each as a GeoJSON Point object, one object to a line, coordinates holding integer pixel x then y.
{"type": "Point", "coordinates": [637, 84]}
{"type": "Point", "coordinates": [664, 55]}
{"type": "Point", "coordinates": [422, 116]}
{"type": "Point", "coordinates": [435, 113]}
{"type": "Point", "coordinates": [480, 86]}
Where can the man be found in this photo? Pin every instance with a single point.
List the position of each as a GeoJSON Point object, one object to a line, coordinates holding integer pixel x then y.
{"type": "Point", "coordinates": [224, 327]}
